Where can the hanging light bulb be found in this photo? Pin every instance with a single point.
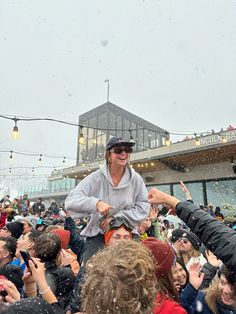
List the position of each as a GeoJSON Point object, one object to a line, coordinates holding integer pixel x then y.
{"type": "Point", "coordinates": [9, 170]}
{"type": "Point", "coordinates": [81, 136]}
{"type": "Point", "coordinates": [197, 140]}
{"type": "Point", "coordinates": [11, 154]}
{"type": "Point", "coordinates": [94, 141]}
{"type": "Point", "coordinates": [64, 160]}
{"type": "Point", "coordinates": [168, 142]}
{"type": "Point", "coordinates": [40, 158]}
{"type": "Point", "coordinates": [15, 132]}
{"type": "Point", "coordinates": [223, 139]}
{"type": "Point", "coordinates": [167, 139]}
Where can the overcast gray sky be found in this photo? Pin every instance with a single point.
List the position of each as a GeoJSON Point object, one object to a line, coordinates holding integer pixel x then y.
{"type": "Point", "coordinates": [172, 63]}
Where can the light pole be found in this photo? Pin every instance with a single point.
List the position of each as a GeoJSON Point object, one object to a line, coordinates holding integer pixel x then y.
{"type": "Point", "coordinates": [108, 89]}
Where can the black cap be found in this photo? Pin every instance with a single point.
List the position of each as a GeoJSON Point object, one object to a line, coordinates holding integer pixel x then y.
{"type": "Point", "coordinates": [118, 141]}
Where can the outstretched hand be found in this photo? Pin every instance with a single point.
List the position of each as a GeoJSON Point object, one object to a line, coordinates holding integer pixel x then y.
{"type": "Point", "coordinates": [212, 259]}
{"type": "Point", "coordinates": [156, 196]}
{"type": "Point", "coordinates": [195, 276]}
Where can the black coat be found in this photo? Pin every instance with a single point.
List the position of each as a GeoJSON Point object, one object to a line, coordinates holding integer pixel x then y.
{"type": "Point", "coordinates": [61, 281]}
{"type": "Point", "coordinates": [76, 243]}
{"type": "Point", "coordinates": [215, 235]}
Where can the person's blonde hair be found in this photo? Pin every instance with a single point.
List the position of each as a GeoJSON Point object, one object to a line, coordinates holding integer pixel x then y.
{"type": "Point", "coordinates": [193, 253]}
{"type": "Point", "coordinates": [120, 279]}
{"type": "Point", "coordinates": [212, 297]}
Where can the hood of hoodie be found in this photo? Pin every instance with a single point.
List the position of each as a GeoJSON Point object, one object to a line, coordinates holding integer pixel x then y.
{"type": "Point", "coordinates": [125, 180]}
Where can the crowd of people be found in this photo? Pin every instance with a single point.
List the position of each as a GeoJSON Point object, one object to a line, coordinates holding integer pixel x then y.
{"type": "Point", "coordinates": [114, 247]}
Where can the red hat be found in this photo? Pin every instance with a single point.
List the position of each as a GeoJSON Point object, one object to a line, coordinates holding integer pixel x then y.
{"type": "Point", "coordinates": [64, 236]}
{"type": "Point", "coordinates": [163, 254]}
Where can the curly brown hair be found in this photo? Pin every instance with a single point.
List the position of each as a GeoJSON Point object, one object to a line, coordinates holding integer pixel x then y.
{"type": "Point", "coordinates": [120, 279]}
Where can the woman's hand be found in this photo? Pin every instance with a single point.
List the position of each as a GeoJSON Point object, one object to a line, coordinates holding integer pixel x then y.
{"type": "Point", "coordinates": [153, 212]}
{"type": "Point", "coordinates": [195, 276]}
{"type": "Point", "coordinates": [103, 208]}
{"type": "Point", "coordinates": [66, 258]}
{"type": "Point", "coordinates": [13, 294]}
{"type": "Point", "coordinates": [212, 259]}
{"type": "Point", "coordinates": [177, 285]}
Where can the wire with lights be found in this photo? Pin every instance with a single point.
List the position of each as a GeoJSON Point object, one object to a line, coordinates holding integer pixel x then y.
{"type": "Point", "coordinates": [28, 119]}
{"type": "Point", "coordinates": [64, 158]}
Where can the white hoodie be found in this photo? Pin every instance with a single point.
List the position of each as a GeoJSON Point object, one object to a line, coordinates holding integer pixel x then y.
{"type": "Point", "coordinates": [128, 199]}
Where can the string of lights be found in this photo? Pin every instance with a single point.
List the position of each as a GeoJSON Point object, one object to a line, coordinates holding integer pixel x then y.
{"type": "Point", "coordinates": [28, 167]}
{"type": "Point", "coordinates": [30, 119]}
{"type": "Point", "coordinates": [33, 154]}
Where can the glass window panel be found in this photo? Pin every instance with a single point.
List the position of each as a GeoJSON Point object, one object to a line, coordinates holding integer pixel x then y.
{"type": "Point", "coordinates": [195, 189]}
{"type": "Point", "coordinates": [222, 194]}
{"type": "Point", "coordinates": [139, 146]}
{"type": "Point", "coordinates": [126, 126]}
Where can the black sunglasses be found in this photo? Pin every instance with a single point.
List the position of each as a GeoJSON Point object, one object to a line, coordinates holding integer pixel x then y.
{"type": "Point", "coordinates": [120, 150]}
{"type": "Point", "coordinates": [184, 240]}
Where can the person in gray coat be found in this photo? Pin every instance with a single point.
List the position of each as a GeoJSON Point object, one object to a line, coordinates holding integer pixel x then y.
{"type": "Point", "coordinates": [114, 190]}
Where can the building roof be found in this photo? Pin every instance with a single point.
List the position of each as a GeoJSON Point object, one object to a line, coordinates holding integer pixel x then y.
{"type": "Point", "coordinates": [110, 107]}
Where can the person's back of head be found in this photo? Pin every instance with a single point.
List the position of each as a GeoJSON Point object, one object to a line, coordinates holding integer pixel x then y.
{"type": "Point", "coordinates": [47, 247]}
{"type": "Point", "coordinates": [120, 279]}
{"type": "Point", "coordinates": [164, 257]}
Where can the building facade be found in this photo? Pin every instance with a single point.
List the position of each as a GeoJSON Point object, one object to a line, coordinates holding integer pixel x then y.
{"type": "Point", "coordinates": [101, 123]}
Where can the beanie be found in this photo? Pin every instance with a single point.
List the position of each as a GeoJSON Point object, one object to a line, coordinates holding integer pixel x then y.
{"type": "Point", "coordinates": [16, 228]}
{"type": "Point", "coordinates": [64, 236]}
{"type": "Point", "coordinates": [182, 233]}
{"type": "Point", "coordinates": [163, 254]}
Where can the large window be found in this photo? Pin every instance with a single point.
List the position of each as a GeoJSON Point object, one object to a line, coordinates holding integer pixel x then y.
{"type": "Point", "coordinates": [163, 187]}
{"type": "Point", "coordinates": [195, 189]}
{"type": "Point", "coordinates": [222, 194]}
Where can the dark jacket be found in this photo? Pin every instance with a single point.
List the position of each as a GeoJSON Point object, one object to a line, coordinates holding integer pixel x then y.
{"type": "Point", "coordinates": [75, 299]}
{"type": "Point", "coordinates": [76, 243]}
{"type": "Point", "coordinates": [215, 235]}
{"type": "Point", "coordinates": [61, 281]}
{"type": "Point", "coordinates": [14, 274]}
{"type": "Point", "coordinates": [209, 273]}
{"type": "Point", "coordinates": [194, 302]}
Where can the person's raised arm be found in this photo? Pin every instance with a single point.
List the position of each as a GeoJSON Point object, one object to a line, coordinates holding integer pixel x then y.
{"type": "Point", "coordinates": [185, 190]}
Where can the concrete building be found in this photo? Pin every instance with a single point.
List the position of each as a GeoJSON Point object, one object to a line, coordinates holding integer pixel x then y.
{"type": "Point", "coordinates": [107, 120]}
